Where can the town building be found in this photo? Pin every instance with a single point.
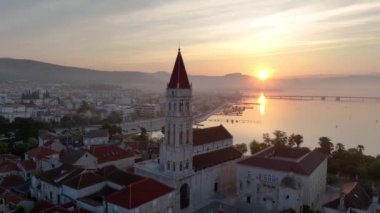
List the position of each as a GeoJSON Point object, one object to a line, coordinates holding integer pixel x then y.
{"type": "Point", "coordinates": [354, 197]}
{"type": "Point", "coordinates": [199, 176]}
{"type": "Point", "coordinates": [96, 137]}
{"type": "Point", "coordinates": [280, 178]}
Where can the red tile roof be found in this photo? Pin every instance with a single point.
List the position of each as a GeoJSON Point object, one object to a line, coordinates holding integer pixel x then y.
{"type": "Point", "coordinates": [109, 152]}
{"type": "Point", "coordinates": [214, 158]}
{"type": "Point", "coordinates": [356, 196]}
{"type": "Point", "coordinates": [8, 166]}
{"type": "Point", "coordinates": [304, 165]}
{"type": "Point", "coordinates": [209, 135]}
{"type": "Point", "coordinates": [118, 176]}
{"type": "Point", "coordinates": [285, 152]}
{"type": "Point", "coordinates": [59, 175]}
{"type": "Point", "coordinates": [12, 180]}
{"type": "Point", "coordinates": [28, 165]}
{"type": "Point", "coordinates": [10, 197]}
{"type": "Point", "coordinates": [138, 193]}
{"type": "Point", "coordinates": [40, 152]}
{"type": "Point", "coordinates": [9, 157]}
{"type": "Point", "coordinates": [179, 77]}
{"type": "Point", "coordinates": [84, 180]}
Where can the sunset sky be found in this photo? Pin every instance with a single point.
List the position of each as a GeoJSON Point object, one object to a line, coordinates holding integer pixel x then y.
{"type": "Point", "coordinates": [288, 38]}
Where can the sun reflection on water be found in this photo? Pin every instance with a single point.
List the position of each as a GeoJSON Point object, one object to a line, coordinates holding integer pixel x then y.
{"type": "Point", "coordinates": [262, 102]}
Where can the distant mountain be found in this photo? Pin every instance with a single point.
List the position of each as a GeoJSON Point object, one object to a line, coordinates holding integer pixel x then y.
{"type": "Point", "coordinates": [20, 69]}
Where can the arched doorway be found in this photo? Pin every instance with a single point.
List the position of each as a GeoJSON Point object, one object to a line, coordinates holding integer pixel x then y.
{"type": "Point", "coordinates": [184, 196]}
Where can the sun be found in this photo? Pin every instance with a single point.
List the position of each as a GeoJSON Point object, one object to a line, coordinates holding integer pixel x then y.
{"type": "Point", "coordinates": [263, 75]}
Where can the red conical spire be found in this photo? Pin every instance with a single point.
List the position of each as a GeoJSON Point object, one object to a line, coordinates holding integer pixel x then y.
{"type": "Point", "coordinates": [179, 76]}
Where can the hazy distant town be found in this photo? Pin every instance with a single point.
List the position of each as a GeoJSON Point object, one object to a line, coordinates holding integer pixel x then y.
{"type": "Point", "coordinates": [214, 106]}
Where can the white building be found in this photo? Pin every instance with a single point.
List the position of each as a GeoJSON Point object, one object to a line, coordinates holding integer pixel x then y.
{"type": "Point", "coordinates": [198, 166]}
{"type": "Point", "coordinates": [96, 137]}
{"type": "Point", "coordinates": [281, 178]}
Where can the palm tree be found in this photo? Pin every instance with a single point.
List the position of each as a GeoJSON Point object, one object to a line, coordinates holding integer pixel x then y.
{"type": "Point", "coordinates": [326, 145]}
{"type": "Point", "coordinates": [291, 140]}
{"type": "Point", "coordinates": [339, 147]}
{"type": "Point", "coordinates": [360, 148]}
{"type": "Point", "coordinates": [298, 139]}
{"type": "Point", "coordinates": [280, 138]}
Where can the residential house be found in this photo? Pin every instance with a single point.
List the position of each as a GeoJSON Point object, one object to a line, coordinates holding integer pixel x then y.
{"type": "Point", "coordinates": [47, 185]}
{"type": "Point", "coordinates": [143, 196]}
{"type": "Point", "coordinates": [354, 197]}
{"type": "Point", "coordinates": [10, 201]}
{"type": "Point", "coordinates": [280, 178]}
{"type": "Point", "coordinates": [96, 137]}
{"type": "Point", "coordinates": [45, 158]}
{"type": "Point", "coordinates": [112, 154]}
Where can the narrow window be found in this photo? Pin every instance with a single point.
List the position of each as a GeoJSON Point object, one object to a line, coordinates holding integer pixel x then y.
{"type": "Point", "coordinates": [174, 136]}
{"type": "Point", "coordinates": [168, 134]}
{"type": "Point", "coordinates": [187, 136]}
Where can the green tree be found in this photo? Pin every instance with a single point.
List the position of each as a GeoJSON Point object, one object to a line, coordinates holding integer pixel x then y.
{"type": "Point", "coordinates": [339, 147]}
{"type": "Point", "coordinates": [374, 169]}
{"type": "Point", "coordinates": [255, 146]}
{"type": "Point", "coordinates": [113, 130]}
{"type": "Point", "coordinates": [360, 148]}
{"type": "Point", "coordinates": [4, 148]}
{"type": "Point", "coordinates": [4, 125]}
{"type": "Point", "coordinates": [295, 139]}
{"type": "Point", "coordinates": [280, 138]}
{"type": "Point", "coordinates": [326, 146]}
{"type": "Point", "coordinates": [115, 117]}
{"type": "Point", "coordinates": [267, 140]}
{"type": "Point", "coordinates": [67, 122]}
{"type": "Point", "coordinates": [241, 147]}
{"type": "Point", "coordinates": [32, 143]}
{"type": "Point", "coordinates": [27, 127]}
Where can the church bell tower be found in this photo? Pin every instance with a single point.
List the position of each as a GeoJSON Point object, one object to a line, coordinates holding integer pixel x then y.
{"type": "Point", "coordinates": [176, 151]}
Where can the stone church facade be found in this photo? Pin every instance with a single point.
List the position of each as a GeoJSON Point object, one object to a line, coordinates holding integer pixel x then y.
{"type": "Point", "coordinates": [200, 164]}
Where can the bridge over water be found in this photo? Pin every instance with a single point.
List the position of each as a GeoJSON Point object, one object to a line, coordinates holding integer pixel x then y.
{"type": "Point", "coordinates": [320, 97]}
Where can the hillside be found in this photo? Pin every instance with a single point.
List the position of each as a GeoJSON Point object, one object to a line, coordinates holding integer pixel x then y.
{"type": "Point", "coordinates": [20, 69]}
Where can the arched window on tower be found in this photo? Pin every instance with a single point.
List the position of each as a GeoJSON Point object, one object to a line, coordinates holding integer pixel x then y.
{"type": "Point", "coordinates": [180, 166]}
{"type": "Point", "coordinates": [170, 107]}
{"type": "Point", "coordinates": [168, 166]}
{"type": "Point", "coordinates": [187, 107]}
{"type": "Point", "coordinates": [181, 106]}
{"type": "Point", "coordinates": [187, 164]}
{"type": "Point", "coordinates": [174, 107]}
{"type": "Point", "coordinates": [174, 136]}
{"type": "Point", "coordinates": [180, 134]}
{"type": "Point", "coordinates": [187, 136]}
{"type": "Point", "coordinates": [173, 166]}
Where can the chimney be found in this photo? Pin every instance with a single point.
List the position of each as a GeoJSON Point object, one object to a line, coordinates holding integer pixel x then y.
{"type": "Point", "coordinates": [341, 202]}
